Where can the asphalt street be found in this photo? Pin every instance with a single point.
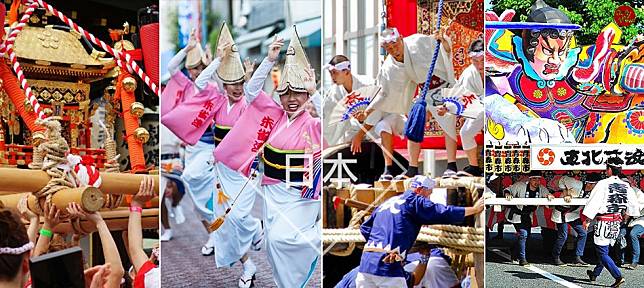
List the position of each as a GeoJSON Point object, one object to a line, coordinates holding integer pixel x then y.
{"type": "Point", "coordinates": [184, 266]}
{"type": "Point", "coordinates": [501, 272]}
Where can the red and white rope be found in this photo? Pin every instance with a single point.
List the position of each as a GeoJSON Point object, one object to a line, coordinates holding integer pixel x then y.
{"type": "Point", "coordinates": [8, 48]}
{"type": "Point", "coordinates": [119, 55]}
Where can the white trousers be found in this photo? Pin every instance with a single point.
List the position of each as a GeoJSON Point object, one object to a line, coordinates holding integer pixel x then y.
{"type": "Point", "coordinates": [470, 128]}
{"type": "Point", "coordinates": [366, 280]}
{"type": "Point", "coordinates": [391, 123]}
{"type": "Point", "coordinates": [233, 239]}
{"type": "Point", "coordinates": [200, 177]}
{"type": "Point", "coordinates": [293, 234]}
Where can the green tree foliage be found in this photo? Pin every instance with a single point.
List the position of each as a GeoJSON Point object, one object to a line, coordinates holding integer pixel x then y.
{"type": "Point", "coordinates": [592, 15]}
{"type": "Point", "coordinates": [213, 24]}
{"type": "Point", "coordinates": [172, 26]}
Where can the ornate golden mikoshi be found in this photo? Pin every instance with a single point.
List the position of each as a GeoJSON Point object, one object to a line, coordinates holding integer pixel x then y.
{"type": "Point", "coordinates": [129, 84]}
{"type": "Point", "coordinates": [137, 109]}
{"type": "Point", "coordinates": [142, 134]}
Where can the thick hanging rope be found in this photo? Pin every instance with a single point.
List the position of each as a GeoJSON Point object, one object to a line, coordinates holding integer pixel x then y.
{"type": "Point", "coordinates": [7, 48]}
{"type": "Point", "coordinates": [55, 150]}
{"type": "Point", "coordinates": [111, 163]}
{"type": "Point", "coordinates": [415, 125]}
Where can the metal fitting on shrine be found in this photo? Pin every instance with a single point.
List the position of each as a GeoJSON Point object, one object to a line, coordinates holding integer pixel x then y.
{"type": "Point", "coordinates": [137, 109]}
{"type": "Point", "coordinates": [28, 106]}
{"type": "Point", "coordinates": [129, 84]}
{"type": "Point", "coordinates": [47, 111]}
{"type": "Point", "coordinates": [142, 134]}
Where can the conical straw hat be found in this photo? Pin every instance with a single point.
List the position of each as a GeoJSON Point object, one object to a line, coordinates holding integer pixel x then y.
{"type": "Point", "coordinates": [195, 57]}
{"type": "Point", "coordinates": [295, 66]}
{"type": "Point", "coordinates": [230, 70]}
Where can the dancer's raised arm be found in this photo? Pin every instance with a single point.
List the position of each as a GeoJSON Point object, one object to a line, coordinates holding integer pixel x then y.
{"type": "Point", "coordinates": [174, 65]}
{"type": "Point", "coordinates": [256, 83]}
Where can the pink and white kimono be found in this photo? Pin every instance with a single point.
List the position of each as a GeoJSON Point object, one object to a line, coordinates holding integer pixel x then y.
{"type": "Point", "coordinates": [234, 238]}
{"type": "Point", "coordinates": [291, 220]}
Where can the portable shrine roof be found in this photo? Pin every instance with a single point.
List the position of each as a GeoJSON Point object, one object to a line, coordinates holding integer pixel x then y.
{"type": "Point", "coordinates": [55, 51]}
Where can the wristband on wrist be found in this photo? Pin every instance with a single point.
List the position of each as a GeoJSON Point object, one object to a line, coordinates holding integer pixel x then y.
{"type": "Point", "coordinates": [136, 209]}
{"type": "Point", "coordinates": [47, 233]}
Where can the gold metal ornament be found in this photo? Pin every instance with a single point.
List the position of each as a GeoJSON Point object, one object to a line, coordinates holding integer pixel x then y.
{"type": "Point", "coordinates": [142, 134]}
{"type": "Point", "coordinates": [129, 84]}
{"type": "Point", "coordinates": [137, 109]}
{"type": "Point", "coordinates": [28, 106]}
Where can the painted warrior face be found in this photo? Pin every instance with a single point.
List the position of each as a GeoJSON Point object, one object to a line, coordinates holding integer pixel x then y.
{"type": "Point", "coordinates": [546, 51]}
{"type": "Point", "coordinates": [549, 56]}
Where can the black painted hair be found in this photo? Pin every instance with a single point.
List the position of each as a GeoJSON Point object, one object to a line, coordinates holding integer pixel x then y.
{"type": "Point", "coordinates": [531, 39]}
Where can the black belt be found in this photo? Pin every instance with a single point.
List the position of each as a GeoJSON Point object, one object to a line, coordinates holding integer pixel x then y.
{"type": "Point", "coordinates": [207, 136]}
{"type": "Point", "coordinates": [275, 164]}
{"type": "Point", "coordinates": [170, 156]}
{"type": "Point", "coordinates": [220, 132]}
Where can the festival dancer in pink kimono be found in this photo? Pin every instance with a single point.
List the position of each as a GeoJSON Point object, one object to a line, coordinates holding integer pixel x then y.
{"type": "Point", "coordinates": [288, 136]}
{"type": "Point", "coordinates": [180, 88]}
{"type": "Point", "coordinates": [242, 231]}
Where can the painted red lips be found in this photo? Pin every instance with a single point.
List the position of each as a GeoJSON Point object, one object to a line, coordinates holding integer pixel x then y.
{"type": "Point", "coordinates": [551, 69]}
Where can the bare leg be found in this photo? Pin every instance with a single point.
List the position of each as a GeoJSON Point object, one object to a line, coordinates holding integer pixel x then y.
{"type": "Point", "coordinates": [472, 156]}
{"type": "Point", "coordinates": [388, 147]}
{"type": "Point", "coordinates": [164, 214]}
{"type": "Point", "coordinates": [450, 145]}
{"type": "Point", "coordinates": [414, 153]}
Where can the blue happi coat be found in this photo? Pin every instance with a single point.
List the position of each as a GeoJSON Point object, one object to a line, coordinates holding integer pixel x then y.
{"type": "Point", "coordinates": [394, 226]}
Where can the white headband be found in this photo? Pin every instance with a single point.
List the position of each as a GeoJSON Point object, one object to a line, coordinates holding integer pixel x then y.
{"type": "Point", "coordinates": [476, 54]}
{"type": "Point", "coordinates": [344, 65]}
{"type": "Point", "coordinates": [18, 250]}
{"type": "Point", "coordinates": [389, 35]}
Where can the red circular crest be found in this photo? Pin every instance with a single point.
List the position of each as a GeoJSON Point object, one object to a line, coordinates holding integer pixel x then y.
{"type": "Point", "coordinates": [546, 156]}
{"type": "Point", "coordinates": [624, 16]}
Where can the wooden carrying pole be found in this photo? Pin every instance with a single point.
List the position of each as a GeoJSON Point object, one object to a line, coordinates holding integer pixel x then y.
{"type": "Point", "coordinates": [14, 180]}
{"type": "Point", "coordinates": [90, 198]}
{"type": "Point", "coordinates": [116, 220]}
{"type": "Point", "coordinates": [88, 202]}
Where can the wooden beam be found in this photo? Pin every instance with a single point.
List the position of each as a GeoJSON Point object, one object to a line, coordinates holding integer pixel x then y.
{"type": "Point", "coordinates": [11, 200]}
{"type": "Point", "coordinates": [90, 198]}
{"type": "Point", "coordinates": [536, 201]}
{"type": "Point", "coordinates": [13, 180]}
